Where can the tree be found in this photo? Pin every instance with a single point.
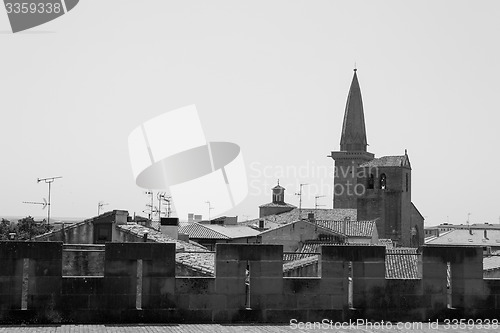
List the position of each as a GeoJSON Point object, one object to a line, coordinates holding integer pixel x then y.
{"type": "Point", "coordinates": [27, 228]}
{"type": "Point", "coordinates": [5, 228]}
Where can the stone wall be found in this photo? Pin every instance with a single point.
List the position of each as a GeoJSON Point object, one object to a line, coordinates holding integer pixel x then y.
{"type": "Point", "coordinates": [139, 285]}
{"type": "Point", "coordinates": [83, 260]}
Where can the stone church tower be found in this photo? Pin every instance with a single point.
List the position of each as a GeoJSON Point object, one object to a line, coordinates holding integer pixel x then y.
{"type": "Point", "coordinates": [379, 188]}
{"type": "Point", "coordinates": [352, 150]}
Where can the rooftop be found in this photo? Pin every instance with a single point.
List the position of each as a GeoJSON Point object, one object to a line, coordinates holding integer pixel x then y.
{"type": "Point", "coordinates": [273, 221]}
{"type": "Point", "coordinates": [467, 237]}
{"type": "Point", "coordinates": [388, 161]}
{"type": "Point", "coordinates": [277, 204]}
{"type": "Point", "coordinates": [202, 261]}
{"type": "Point", "coordinates": [352, 228]}
{"type": "Point", "coordinates": [400, 263]}
{"type": "Point", "coordinates": [216, 231]}
{"type": "Point", "coordinates": [306, 222]}
{"type": "Point", "coordinates": [197, 230]}
{"type": "Point", "coordinates": [491, 263]}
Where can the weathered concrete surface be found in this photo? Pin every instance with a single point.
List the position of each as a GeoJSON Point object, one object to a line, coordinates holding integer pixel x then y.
{"type": "Point", "coordinates": [139, 285]}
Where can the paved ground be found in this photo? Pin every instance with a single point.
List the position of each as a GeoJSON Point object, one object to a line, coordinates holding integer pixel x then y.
{"type": "Point", "coordinates": [425, 328]}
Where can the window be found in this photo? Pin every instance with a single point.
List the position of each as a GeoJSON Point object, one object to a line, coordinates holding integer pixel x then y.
{"type": "Point", "coordinates": [407, 183]}
{"type": "Point", "coordinates": [371, 182]}
{"type": "Point", "coordinates": [383, 180]}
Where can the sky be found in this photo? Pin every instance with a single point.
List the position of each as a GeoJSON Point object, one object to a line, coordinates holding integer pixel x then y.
{"type": "Point", "coordinates": [270, 76]}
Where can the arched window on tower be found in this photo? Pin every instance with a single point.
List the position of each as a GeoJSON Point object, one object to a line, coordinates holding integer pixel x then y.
{"type": "Point", "coordinates": [407, 182]}
{"type": "Point", "coordinates": [371, 182]}
{"type": "Point", "coordinates": [383, 180]}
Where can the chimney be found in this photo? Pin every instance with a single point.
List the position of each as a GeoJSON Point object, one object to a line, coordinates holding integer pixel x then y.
{"type": "Point", "coordinates": [197, 218]}
{"type": "Point", "coordinates": [231, 220]}
{"type": "Point", "coordinates": [190, 217]}
{"type": "Point", "coordinates": [310, 217]}
{"type": "Point", "coordinates": [121, 216]}
{"type": "Point", "coordinates": [169, 226]}
{"type": "Point", "coordinates": [261, 224]}
{"type": "Point", "coordinates": [344, 224]}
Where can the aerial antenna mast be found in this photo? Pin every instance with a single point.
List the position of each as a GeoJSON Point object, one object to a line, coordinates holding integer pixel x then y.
{"type": "Point", "coordinates": [209, 209]}
{"type": "Point", "coordinates": [48, 181]}
{"type": "Point", "coordinates": [316, 201]}
{"type": "Point", "coordinates": [151, 206]}
{"type": "Point", "coordinates": [300, 200]}
{"type": "Point", "coordinates": [100, 204]}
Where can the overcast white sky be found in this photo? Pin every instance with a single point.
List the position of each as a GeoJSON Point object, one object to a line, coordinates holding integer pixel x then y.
{"type": "Point", "coordinates": [271, 76]}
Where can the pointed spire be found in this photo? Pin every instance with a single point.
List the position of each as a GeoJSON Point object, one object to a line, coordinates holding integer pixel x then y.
{"type": "Point", "coordinates": [353, 129]}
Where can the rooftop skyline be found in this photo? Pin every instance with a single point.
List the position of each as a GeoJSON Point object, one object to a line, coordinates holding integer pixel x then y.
{"type": "Point", "coordinates": [272, 77]}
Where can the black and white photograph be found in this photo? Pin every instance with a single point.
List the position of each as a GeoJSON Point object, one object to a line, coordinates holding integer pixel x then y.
{"type": "Point", "coordinates": [249, 166]}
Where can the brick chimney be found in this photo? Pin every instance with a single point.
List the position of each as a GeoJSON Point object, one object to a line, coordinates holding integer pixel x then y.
{"type": "Point", "coordinates": [169, 226]}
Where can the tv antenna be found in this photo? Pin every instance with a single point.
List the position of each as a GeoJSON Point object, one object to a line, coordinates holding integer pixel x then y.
{"type": "Point", "coordinates": [100, 204]}
{"type": "Point", "coordinates": [151, 193]}
{"type": "Point", "coordinates": [316, 201]}
{"type": "Point", "coordinates": [162, 196]}
{"type": "Point", "coordinates": [300, 200]}
{"type": "Point", "coordinates": [44, 203]}
{"type": "Point", "coordinates": [209, 209]}
{"type": "Point", "coordinates": [48, 181]}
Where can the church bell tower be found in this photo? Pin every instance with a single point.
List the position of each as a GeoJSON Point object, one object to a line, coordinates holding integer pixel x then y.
{"type": "Point", "coordinates": [352, 151]}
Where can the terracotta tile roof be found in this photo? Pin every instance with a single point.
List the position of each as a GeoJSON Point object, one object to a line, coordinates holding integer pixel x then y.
{"type": "Point", "coordinates": [293, 215]}
{"type": "Point", "coordinates": [306, 250]}
{"type": "Point", "coordinates": [201, 262]}
{"type": "Point", "coordinates": [463, 237]}
{"type": "Point", "coordinates": [234, 231]}
{"type": "Point", "coordinates": [299, 263]}
{"type": "Point", "coordinates": [401, 263]}
{"type": "Point", "coordinates": [352, 228]}
{"type": "Point", "coordinates": [214, 231]}
{"type": "Point", "coordinates": [306, 223]}
{"type": "Point", "coordinates": [388, 161]}
{"type": "Point", "coordinates": [491, 263]}
{"type": "Point", "coordinates": [273, 204]}
{"type": "Point", "coordinates": [199, 231]}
